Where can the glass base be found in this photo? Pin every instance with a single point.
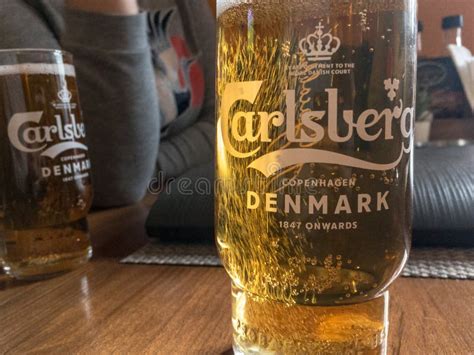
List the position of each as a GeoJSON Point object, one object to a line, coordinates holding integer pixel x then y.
{"type": "Point", "coordinates": [39, 253]}
{"type": "Point", "coordinates": [262, 326]}
{"type": "Point", "coordinates": [48, 266]}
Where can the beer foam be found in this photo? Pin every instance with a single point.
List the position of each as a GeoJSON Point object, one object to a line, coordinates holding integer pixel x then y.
{"type": "Point", "coordinates": [38, 68]}
{"type": "Point", "coordinates": [223, 5]}
{"type": "Point", "coordinates": [321, 7]}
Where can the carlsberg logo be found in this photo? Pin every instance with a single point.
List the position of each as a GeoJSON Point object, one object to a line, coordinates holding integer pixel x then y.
{"type": "Point", "coordinates": [241, 128]}
{"type": "Point", "coordinates": [28, 136]}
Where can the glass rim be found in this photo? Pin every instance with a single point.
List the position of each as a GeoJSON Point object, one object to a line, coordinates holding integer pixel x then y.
{"type": "Point", "coordinates": [35, 50]}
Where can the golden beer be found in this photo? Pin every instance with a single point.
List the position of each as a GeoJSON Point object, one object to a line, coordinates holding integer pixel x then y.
{"type": "Point", "coordinates": [45, 170]}
{"type": "Point", "coordinates": [314, 143]}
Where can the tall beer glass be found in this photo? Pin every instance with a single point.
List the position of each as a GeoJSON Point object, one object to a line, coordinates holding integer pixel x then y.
{"type": "Point", "coordinates": [314, 146]}
{"type": "Point", "coordinates": [45, 181]}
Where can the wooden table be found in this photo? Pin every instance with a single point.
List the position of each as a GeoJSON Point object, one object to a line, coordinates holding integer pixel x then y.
{"type": "Point", "coordinates": [105, 307]}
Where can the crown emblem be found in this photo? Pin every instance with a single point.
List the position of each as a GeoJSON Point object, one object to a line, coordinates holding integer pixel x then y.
{"type": "Point", "coordinates": [319, 46]}
{"type": "Point", "coordinates": [64, 95]}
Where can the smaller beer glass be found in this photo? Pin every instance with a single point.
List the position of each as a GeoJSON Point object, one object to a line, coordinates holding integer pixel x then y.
{"type": "Point", "coordinates": [45, 182]}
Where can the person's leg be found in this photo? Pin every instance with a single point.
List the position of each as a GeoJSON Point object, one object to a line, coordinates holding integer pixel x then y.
{"type": "Point", "coordinates": [184, 210]}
